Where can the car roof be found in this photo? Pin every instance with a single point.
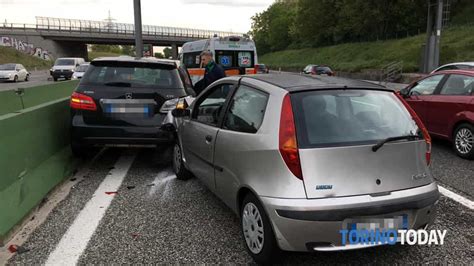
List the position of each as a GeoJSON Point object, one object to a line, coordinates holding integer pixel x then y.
{"type": "Point", "coordinates": [458, 63]}
{"type": "Point", "coordinates": [298, 82]}
{"type": "Point", "coordinates": [139, 60]}
{"type": "Point", "coordinates": [469, 72]}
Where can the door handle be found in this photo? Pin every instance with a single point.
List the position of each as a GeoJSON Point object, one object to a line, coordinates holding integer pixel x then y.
{"type": "Point", "coordinates": [208, 138]}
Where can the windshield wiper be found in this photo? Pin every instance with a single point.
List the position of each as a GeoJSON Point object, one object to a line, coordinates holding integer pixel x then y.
{"type": "Point", "coordinates": [118, 84]}
{"type": "Point", "coordinates": [382, 142]}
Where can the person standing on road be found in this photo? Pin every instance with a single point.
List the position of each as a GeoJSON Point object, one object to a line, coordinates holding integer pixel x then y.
{"type": "Point", "coordinates": [212, 72]}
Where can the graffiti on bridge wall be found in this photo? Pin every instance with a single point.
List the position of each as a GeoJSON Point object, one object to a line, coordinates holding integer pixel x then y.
{"type": "Point", "coordinates": [25, 47]}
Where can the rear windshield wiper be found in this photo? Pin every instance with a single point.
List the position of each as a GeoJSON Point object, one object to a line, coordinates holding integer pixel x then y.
{"type": "Point", "coordinates": [382, 142]}
{"type": "Point", "coordinates": [118, 84]}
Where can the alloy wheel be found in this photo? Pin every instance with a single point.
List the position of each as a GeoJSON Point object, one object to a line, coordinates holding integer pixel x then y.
{"type": "Point", "coordinates": [464, 140]}
{"type": "Point", "coordinates": [252, 225]}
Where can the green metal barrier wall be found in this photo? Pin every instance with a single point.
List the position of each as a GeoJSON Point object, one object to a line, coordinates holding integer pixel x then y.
{"type": "Point", "coordinates": [11, 102]}
{"type": "Point", "coordinates": [34, 157]}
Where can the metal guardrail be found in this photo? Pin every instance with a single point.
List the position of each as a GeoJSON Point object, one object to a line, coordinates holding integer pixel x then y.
{"type": "Point", "coordinates": [391, 72]}
{"type": "Point", "coordinates": [89, 26]}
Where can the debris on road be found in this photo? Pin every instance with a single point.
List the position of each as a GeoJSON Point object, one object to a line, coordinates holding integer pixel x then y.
{"type": "Point", "coordinates": [111, 192]}
{"type": "Point", "coordinates": [17, 249]}
{"type": "Point", "coordinates": [130, 187]}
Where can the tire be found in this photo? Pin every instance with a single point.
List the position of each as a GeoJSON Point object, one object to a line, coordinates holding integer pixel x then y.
{"type": "Point", "coordinates": [178, 166]}
{"type": "Point", "coordinates": [55, 79]}
{"type": "Point", "coordinates": [27, 77]}
{"type": "Point", "coordinates": [78, 150]}
{"type": "Point", "coordinates": [15, 79]}
{"type": "Point", "coordinates": [253, 219]}
{"type": "Point", "coordinates": [463, 141]}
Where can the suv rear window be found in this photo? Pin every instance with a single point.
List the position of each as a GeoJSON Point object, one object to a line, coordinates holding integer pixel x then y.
{"type": "Point", "coordinates": [328, 118]}
{"type": "Point", "coordinates": [133, 74]}
{"type": "Point", "coordinates": [64, 62]}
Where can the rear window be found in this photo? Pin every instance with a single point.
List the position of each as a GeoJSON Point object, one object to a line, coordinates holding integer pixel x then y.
{"type": "Point", "coordinates": [131, 74]}
{"type": "Point", "coordinates": [323, 70]}
{"type": "Point", "coordinates": [64, 62]}
{"type": "Point", "coordinates": [82, 68]}
{"type": "Point", "coordinates": [328, 118]}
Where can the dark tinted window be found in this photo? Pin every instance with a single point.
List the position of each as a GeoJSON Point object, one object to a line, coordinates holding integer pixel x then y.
{"type": "Point", "coordinates": [131, 74]}
{"type": "Point", "coordinates": [323, 70]}
{"type": "Point", "coordinates": [64, 62]}
{"type": "Point", "coordinates": [246, 110]}
{"type": "Point", "coordinates": [458, 85]}
{"type": "Point", "coordinates": [7, 67]}
{"type": "Point", "coordinates": [210, 106]}
{"type": "Point", "coordinates": [349, 117]}
{"type": "Point", "coordinates": [192, 60]}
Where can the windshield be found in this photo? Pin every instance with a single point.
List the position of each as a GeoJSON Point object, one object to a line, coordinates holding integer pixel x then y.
{"type": "Point", "coordinates": [349, 117]}
{"type": "Point", "coordinates": [64, 62]}
{"type": "Point", "coordinates": [82, 68]}
{"type": "Point", "coordinates": [129, 74]}
{"type": "Point", "coordinates": [7, 67]}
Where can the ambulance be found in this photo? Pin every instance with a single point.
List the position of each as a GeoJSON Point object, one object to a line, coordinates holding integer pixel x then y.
{"type": "Point", "coordinates": [236, 54]}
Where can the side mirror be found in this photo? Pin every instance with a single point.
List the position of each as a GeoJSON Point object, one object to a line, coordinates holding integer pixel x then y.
{"type": "Point", "coordinates": [404, 92]}
{"type": "Point", "coordinates": [181, 112]}
{"type": "Point", "coordinates": [77, 65]}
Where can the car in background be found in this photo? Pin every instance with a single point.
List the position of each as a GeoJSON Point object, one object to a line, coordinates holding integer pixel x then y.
{"type": "Point", "coordinates": [79, 71]}
{"type": "Point", "coordinates": [444, 101]}
{"type": "Point", "coordinates": [454, 66]}
{"type": "Point", "coordinates": [261, 69]}
{"type": "Point", "coordinates": [300, 157]}
{"type": "Point", "coordinates": [121, 101]}
{"type": "Point", "coordinates": [64, 67]}
{"type": "Point", "coordinates": [318, 70]}
{"type": "Point", "coordinates": [13, 72]}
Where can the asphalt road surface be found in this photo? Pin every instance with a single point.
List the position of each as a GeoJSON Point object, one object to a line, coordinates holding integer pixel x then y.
{"type": "Point", "coordinates": [37, 78]}
{"type": "Point", "coordinates": [155, 218]}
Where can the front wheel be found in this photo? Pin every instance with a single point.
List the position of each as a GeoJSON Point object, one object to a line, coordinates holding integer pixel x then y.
{"type": "Point", "coordinates": [464, 141]}
{"type": "Point", "coordinates": [15, 79]}
{"type": "Point", "coordinates": [178, 166]}
{"type": "Point", "coordinates": [257, 232]}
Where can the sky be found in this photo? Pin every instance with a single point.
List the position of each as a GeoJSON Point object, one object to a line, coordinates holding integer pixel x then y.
{"type": "Point", "coordinates": [222, 15]}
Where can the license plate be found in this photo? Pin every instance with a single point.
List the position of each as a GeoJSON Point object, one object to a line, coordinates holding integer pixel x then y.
{"type": "Point", "coordinates": [110, 108]}
{"type": "Point", "coordinates": [397, 222]}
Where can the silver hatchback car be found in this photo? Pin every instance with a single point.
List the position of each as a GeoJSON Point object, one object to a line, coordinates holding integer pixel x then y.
{"type": "Point", "coordinates": [299, 158]}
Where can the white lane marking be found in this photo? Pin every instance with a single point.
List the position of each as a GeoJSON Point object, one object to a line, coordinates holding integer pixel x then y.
{"type": "Point", "coordinates": [74, 241]}
{"type": "Point", "coordinates": [456, 197]}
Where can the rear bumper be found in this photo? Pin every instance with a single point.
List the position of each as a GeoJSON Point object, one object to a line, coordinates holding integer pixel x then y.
{"type": "Point", "coordinates": [315, 224]}
{"type": "Point", "coordinates": [117, 135]}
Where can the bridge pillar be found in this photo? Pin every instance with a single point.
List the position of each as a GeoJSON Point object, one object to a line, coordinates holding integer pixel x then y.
{"type": "Point", "coordinates": [174, 51]}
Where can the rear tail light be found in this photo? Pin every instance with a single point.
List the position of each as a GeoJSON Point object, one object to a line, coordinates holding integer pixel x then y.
{"type": "Point", "coordinates": [288, 144]}
{"type": "Point", "coordinates": [426, 134]}
{"type": "Point", "coordinates": [82, 102]}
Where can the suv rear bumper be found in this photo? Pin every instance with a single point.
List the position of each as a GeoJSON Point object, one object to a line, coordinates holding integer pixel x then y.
{"type": "Point", "coordinates": [86, 134]}
{"type": "Point", "coordinates": [315, 224]}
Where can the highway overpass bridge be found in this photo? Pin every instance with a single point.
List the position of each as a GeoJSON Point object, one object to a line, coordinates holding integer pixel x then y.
{"type": "Point", "coordinates": [69, 37]}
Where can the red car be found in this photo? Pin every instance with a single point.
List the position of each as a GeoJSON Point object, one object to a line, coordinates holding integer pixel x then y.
{"type": "Point", "coordinates": [445, 103]}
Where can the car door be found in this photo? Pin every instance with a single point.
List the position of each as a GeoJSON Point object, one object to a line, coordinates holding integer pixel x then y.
{"type": "Point", "coordinates": [420, 91]}
{"type": "Point", "coordinates": [448, 102]}
{"type": "Point", "coordinates": [238, 141]}
{"type": "Point", "coordinates": [200, 132]}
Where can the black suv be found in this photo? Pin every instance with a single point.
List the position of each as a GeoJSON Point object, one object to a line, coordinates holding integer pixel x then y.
{"type": "Point", "coordinates": [123, 100]}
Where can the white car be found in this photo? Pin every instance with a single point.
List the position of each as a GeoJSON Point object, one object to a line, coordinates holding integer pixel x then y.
{"type": "Point", "coordinates": [79, 71]}
{"type": "Point", "coordinates": [13, 72]}
{"type": "Point", "coordinates": [459, 65]}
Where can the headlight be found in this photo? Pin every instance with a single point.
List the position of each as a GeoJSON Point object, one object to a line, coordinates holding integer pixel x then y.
{"type": "Point", "coordinates": [169, 105]}
{"type": "Point", "coordinates": [10, 75]}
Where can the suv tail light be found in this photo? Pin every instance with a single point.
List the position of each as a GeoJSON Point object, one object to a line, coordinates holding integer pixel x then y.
{"type": "Point", "coordinates": [422, 127]}
{"type": "Point", "coordinates": [288, 144]}
{"type": "Point", "coordinates": [82, 102]}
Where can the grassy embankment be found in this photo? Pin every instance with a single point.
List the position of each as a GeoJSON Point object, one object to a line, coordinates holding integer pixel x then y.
{"type": "Point", "coordinates": [457, 44]}
{"type": "Point", "coordinates": [10, 55]}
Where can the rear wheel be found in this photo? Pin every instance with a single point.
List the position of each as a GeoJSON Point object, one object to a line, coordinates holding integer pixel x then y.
{"type": "Point", "coordinates": [55, 79]}
{"type": "Point", "coordinates": [464, 141]}
{"type": "Point", "coordinates": [178, 166]}
{"type": "Point", "coordinates": [27, 77]}
{"type": "Point", "coordinates": [257, 231]}
{"type": "Point", "coordinates": [78, 150]}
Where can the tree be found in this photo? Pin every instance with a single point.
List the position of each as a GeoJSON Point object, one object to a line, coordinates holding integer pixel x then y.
{"type": "Point", "coordinates": [159, 55]}
{"type": "Point", "coordinates": [167, 52]}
